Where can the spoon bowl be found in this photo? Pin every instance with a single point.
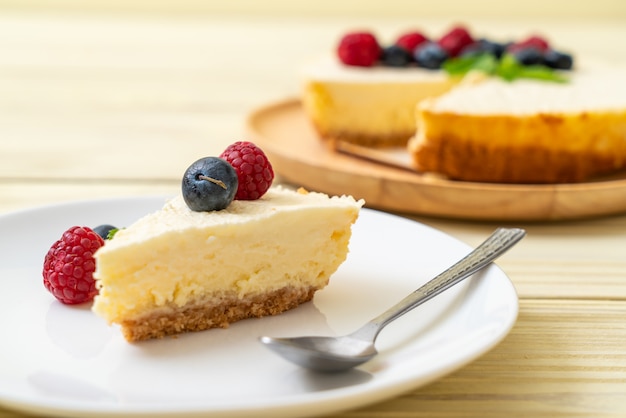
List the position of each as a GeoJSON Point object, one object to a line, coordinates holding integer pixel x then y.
{"type": "Point", "coordinates": [327, 354]}
{"type": "Point", "coordinates": [337, 354]}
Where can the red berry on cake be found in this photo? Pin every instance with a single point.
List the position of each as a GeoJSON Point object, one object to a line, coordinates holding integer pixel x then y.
{"type": "Point", "coordinates": [455, 40]}
{"type": "Point", "coordinates": [254, 170]}
{"type": "Point", "coordinates": [411, 40]}
{"type": "Point", "coordinates": [69, 265]}
{"type": "Point", "coordinates": [535, 42]}
{"type": "Point", "coordinates": [359, 49]}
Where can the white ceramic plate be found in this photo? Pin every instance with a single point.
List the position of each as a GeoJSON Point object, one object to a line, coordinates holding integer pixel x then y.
{"type": "Point", "coordinates": [61, 360]}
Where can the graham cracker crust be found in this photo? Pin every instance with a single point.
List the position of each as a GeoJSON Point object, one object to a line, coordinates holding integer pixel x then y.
{"type": "Point", "coordinates": [389, 139]}
{"type": "Point", "coordinates": [527, 164]}
{"type": "Point", "coordinates": [532, 149]}
{"type": "Point", "coordinates": [217, 312]}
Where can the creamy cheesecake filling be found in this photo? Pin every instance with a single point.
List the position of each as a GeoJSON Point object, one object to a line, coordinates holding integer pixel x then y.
{"type": "Point", "coordinates": [525, 131]}
{"type": "Point", "coordinates": [175, 259]}
{"type": "Point", "coordinates": [368, 106]}
{"type": "Point", "coordinates": [369, 114]}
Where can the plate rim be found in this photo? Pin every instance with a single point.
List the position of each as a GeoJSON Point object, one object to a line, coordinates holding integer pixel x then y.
{"type": "Point", "coordinates": [349, 397]}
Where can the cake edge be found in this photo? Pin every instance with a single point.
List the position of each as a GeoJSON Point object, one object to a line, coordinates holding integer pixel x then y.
{"type": "Point", "coordinates": [218, 311]}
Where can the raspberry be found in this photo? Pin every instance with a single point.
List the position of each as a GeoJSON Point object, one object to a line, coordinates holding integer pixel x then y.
{"type": "Point", "coordinates": [254, 170]}
{"type": "Point", "coordinates": [536, 42]}
{"type": "Point", "coordinates": [411, 40]}
{"type": "Point", "coordinates": [359, 49]}
{"type": "Point", "coordinates": [69, 265]}
{"type": "Point", "coordinates": [455, 40]}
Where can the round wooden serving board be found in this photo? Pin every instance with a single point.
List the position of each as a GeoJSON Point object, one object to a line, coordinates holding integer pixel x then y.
{"type": "Point", "coordinates": [300, 157]}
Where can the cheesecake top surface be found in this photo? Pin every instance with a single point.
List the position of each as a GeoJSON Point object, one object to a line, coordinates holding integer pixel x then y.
{"type": "Point", "coordinates": [329, 68]}
{"type": "Point", "coordinates": [586, 90]}
{"type": "Point", "coordinates": [176, 255]}
{"type": "Point", "coordinates": [176, 215]}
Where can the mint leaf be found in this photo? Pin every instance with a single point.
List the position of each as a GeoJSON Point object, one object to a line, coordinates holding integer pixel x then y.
{"type": "Point", "coordinates": [112, 233]}
{"type": "Point", "coordinates": [507, 68]}
{"type": "Point", "coordinates": [541, 72]}
{"type": "Point", "coordinates": [510, 69]}
{"type": "Point", "coordinates": [486, 63]}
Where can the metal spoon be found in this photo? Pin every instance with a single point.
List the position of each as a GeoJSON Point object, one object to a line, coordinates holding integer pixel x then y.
{"type": "Point", "coordinates": [335, 354]}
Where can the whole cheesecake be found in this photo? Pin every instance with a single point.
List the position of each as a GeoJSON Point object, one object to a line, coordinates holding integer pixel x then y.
{"type": "Point", "coordinates": [526, 131]}
{"type": "Point", "coordinates": [483, 111]}
{"type": "Point", "coordinates": [177, 270]}
{"type": "Point", "coordinates": [367, 106]}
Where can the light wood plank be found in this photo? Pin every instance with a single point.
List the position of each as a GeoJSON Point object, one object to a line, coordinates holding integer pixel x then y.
{"type": "Point", "coordinates": [562, 359]}
{"type": "Point", "coordinates": [19, 195]}
{"type": "Point", "coordinates": [576, 259]}
{"type": "Point", "coordinates": [560, 9]}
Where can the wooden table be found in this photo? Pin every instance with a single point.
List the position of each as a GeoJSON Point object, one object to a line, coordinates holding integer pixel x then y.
{"type": "Point", "coordinates": [102, 106]}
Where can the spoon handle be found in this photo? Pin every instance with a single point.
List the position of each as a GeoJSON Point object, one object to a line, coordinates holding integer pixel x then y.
{"type": "Point", "coordinates": [494, 246]}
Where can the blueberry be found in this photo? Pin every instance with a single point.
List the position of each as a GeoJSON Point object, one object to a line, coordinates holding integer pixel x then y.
{"type": "Point", "coordinates": [558, 60]}
{"type": "Point", "coordinates": [494, 48]}
{"type": "Point", "coordinates": [396, 56]}
{"type": "Point", "coordinates": [209, 184]}
{"type": "Point", "coordinates": [430, 55]}
{"type": "Point", "coordinates": [484, 46]}
{"type": "Point", "coordinates": [104, 230]}
{"type": "Point", "coordinates": [529, 56]}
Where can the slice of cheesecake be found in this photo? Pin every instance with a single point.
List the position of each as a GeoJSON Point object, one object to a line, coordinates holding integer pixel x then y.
{"type": "Point", "coordinates": [525, 131]}
{"type": "Point", "coordinates": [177, 270]}
{"type": "Point", "coordinates": [367, 106]}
